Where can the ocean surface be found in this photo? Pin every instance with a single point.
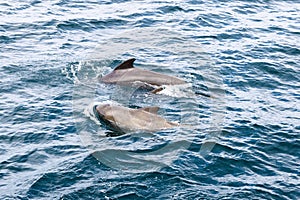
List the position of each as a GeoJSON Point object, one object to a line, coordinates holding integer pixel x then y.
{"type": "Point", "coordinates": [242, 142]}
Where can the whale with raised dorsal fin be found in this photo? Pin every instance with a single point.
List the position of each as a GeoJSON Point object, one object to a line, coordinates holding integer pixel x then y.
{"type": "Point", "coordinates": [126, 73]}
{"type": "Point", "coordinates": [122, 119]}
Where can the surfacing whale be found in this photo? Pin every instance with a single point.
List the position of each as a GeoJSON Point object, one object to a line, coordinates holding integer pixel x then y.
{"type": "Point", "coordinates": [126, 74]}
{"type": "Point", "coordinates": [123, 120]}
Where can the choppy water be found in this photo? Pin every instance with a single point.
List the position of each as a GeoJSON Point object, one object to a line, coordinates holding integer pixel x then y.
{"type": "Point", "coordinates": [244, 143]}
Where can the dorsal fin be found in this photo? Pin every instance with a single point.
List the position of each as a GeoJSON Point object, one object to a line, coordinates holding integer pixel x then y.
{"type": "Point", "coordinates": [126, 64]}
{"type": "Point", "coordinates": [152, 109]}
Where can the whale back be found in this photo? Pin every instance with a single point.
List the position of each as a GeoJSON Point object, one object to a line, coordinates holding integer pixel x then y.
{"type": "Point", "coordinates": [124, 119]}
{"type": "Point", "coordinates": [127, 74]}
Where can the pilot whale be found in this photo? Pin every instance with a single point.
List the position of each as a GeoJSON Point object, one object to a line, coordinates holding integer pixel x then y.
{"type": "Point", "coordinates": [126, 74]}
{"type": "Point", "coordinates": [123, 119]}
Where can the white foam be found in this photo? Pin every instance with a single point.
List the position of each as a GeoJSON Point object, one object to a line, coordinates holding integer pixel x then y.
{"type": "Point", "coordinates": [183, 90]}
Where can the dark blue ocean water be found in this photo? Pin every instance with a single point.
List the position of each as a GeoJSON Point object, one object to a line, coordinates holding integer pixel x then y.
{"type": "Point", "coordinates": [243, 144]}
